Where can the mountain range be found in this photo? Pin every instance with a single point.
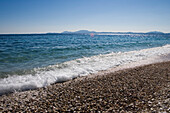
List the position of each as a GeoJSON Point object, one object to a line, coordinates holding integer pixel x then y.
{"type": "Point", "coordinates": [88, 32]}
{"type": "Point", "coordinates": [80, 31]}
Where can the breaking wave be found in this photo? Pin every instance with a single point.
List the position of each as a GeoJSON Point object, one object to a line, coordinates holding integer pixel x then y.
{"type": "Point", "coordinates": [41, 77]}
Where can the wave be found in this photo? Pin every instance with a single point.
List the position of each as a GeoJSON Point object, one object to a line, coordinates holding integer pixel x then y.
{"type": "Point", "coordinates": [41, 77]}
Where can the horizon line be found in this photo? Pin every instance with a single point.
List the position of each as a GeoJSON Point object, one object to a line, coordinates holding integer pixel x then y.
{"type": "Point", "coordinates": [87, 30]}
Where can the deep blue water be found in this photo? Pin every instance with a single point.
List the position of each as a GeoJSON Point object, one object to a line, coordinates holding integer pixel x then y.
{"type": "Point", "coordinates": [22, 53]}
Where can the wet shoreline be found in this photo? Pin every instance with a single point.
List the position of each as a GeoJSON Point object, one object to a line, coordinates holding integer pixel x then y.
{"type": "Point", "coordinates": [140, 89]}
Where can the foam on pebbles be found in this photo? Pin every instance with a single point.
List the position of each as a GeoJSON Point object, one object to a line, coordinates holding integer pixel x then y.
{"type": "Point", "coordinates": [141, 89]}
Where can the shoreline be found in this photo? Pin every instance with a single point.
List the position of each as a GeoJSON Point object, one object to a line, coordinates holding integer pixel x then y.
{"type": "Point", "coordinates": [42, 77]}
{"type": "Point", "coordinates": [153, 60]}
{"type": "Point", "coordinates": [71, 90]}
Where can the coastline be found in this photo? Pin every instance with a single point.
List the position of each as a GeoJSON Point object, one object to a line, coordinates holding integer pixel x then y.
{"type": "Point", "coordinates": [135, 87]}
{"type": "Point", "coordinates": [42, 77]}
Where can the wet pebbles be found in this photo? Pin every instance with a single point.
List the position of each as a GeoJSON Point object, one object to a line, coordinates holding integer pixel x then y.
{"type": "Point", "coordinates": [141, 89]}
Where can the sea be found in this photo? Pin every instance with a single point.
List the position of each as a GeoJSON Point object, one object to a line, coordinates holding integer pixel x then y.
{"type": "Point", "coordinates": [34, 61]}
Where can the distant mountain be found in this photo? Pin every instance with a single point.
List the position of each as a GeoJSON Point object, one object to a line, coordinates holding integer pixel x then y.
{"type": "Point", "coordinates": [88, 32]}
{"type": "Point", "coordinates": [79, 32]}
{"type": "Point", "coordinates": [85, 31]}
{"type": "Point", "coordinates": [155, 32]}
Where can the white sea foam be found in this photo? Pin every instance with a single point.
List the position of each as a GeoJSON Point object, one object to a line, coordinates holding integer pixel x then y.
{"type": "Point", "coordinates": [79, 67]}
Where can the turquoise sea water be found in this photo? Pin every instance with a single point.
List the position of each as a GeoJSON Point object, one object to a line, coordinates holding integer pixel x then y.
{"type": "Point", "coordinates": [54, 55]}
{"type": "Point", "coordinates": [19, 53]}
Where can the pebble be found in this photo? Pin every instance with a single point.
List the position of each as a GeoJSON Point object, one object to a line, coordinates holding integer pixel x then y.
{"type": "Point", "coordinates": [131, 90]}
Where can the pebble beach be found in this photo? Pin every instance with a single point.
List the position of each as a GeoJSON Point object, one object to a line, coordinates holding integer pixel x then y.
{"type": "Point", "coordinates": [84, 56]}
{"type": "Point", "coordinates": [140, 89]}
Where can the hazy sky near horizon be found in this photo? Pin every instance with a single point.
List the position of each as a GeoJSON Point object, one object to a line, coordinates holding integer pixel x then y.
{"type": "Point", "coordinates": [40, 16]}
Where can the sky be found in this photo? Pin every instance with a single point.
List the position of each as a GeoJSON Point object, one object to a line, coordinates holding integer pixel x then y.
{"type": "Point", "coordinates": [42, 16]}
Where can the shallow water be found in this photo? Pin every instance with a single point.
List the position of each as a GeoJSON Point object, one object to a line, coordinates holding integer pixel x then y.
{"type": "Point", "coordinates": [32, 61]}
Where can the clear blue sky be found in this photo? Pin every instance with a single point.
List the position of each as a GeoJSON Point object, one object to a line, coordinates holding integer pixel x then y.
{"type": "Point", "coordinates": [39, 16]}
